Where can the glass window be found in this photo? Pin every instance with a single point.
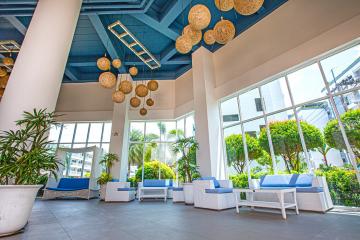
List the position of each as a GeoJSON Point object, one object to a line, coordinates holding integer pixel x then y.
{"type": "Point", "coordinates": [276, 95]}
{"type": "Point", "coordinates": [54, 133]}
{"type": "Point", "coordinates": [81, 132]}
{"type": "Point", "coordinates": [249, 104]}
{"type": "Point", "coordinates": [67, 133]}
{"type": "Point", "coordinates": [153, 130]}
{"type": "Point", "coordinates": [306, 84]}
{"type": "Point", "coordinates": [95, 132]}
{"type": "Point", "coordinates": [107, 132]}
{"type": "Point", "coordinates": [169, 133]}
{"type": "Point", "coordinates": [230, 111]}
{"type": "Point", "coordinates": [180, 126]}
{"type": "Point", "coordinates": [189, 126]}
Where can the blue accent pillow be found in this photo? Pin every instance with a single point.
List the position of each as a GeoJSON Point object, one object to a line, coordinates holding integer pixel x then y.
{"type": "Point", "coordinates": [304, 180]}
{"type": "Point", "coordinates": [216, 182]}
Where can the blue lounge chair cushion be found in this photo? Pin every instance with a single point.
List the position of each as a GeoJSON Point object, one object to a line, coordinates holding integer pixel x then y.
{"type": "Point", "coordinates": [309, 190]}
{"type": "Point", "coordinates": [219, 190]}
{"type": "Point", "coordinates": [178, 189]}
{"type": "Point", "coordinates": [279, 181]}
{"type": "Point", "coordinates": [154, 183]}
{"type": "Point", "coordinates": [64, 189]}
{"type": "Point", "coordinates": [216, 182]}
{"type": "Point", "coordinates": [126, 189]}
{"type": "Point", "coordinates": [73, 183]}
{"type": "Point", "coordinates": [304, 180]}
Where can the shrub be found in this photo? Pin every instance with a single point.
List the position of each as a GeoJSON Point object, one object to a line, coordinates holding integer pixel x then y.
{"type": "Point", "coordinates": [241, 180]}
{"type": "Point", "coordinates": [343, 185]}
{"type": "Point", "coordinates": [151, 171]}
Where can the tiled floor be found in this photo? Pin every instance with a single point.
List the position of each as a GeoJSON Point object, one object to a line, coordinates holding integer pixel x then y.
{"type": "Point", "coordinates": [68, 219]}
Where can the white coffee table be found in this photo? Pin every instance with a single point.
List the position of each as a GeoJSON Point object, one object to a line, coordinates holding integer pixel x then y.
{"type": "Point", "coordinates": [281, 204]}
{"type": "Point", "coordinates": [155, 192]}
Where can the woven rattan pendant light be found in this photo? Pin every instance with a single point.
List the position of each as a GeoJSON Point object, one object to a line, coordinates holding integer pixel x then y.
{"type": "Point", "coordinates": [116, 63]}
{"type": "Point", "coordinates": [195, 35]}
{"type": "Point", "coordinates": [199, 17]}
{"type": "Point", "coordinates": [133, 71]}
{"type": "Point", "coordinates": [103, 63]}
{"type": "Point", "coordinates": [107, 79]}
{"type": "Point", "coordinates": [224, 31]}
{"type": "Point", "coordinates": [118, 97]}
{"type": "Point", "coordinates": [209, 37]}
{"type": "Point", "coordinates": [224, 5]}
{"type": "Point", "coordinates": [141, 90]}
{"type": "Point", "coordinates": [247, 7]}
{"type": "Point", "coordinates": [153, 85]}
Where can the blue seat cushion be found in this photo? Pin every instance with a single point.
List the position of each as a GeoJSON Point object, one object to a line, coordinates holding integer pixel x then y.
{"type": "Point", "coordinates": [309, 189]}
{"type": "Point", "coordinates": [178, 189]}
{"type": "Point", "coordinates": [73, 183]}
{"type": "Point", "coordinates": [304, 180]}
{"type": "Point", "coordinates": [219, 190]}
{"type": "Point", "coordinates": [64, 189]}
{"type": "Point", "coordinates": [279, 181]}
{"type": "Point", "coordinates": [216, 182]}
{"type": "Point", "coordinates": [126, 189]}
{"type": "Point", "coordinates": [154, 183]}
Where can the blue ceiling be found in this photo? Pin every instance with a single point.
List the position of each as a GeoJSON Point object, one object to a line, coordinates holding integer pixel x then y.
{"type": "Point", "coordinates": [155, 23]}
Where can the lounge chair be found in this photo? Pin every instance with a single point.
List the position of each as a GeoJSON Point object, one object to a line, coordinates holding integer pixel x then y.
{"type": "Point", "coordinates": [119, 192]}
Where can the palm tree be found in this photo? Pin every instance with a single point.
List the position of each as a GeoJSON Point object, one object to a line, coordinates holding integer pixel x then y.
{"type": "Point", "coordinates": [324, 149]}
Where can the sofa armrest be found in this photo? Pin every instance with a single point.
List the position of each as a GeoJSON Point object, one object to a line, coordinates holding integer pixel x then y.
{"type": "Point", "coordinates": [203, 184]}
{"type": "Point", "coordinates": [225, 183]}
{"type": "Point", "coordinates": [113, 186]}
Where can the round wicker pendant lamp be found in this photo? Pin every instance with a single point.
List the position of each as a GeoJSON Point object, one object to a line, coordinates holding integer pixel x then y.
{"type": "Point", "coordinates": [2, 90]}
{"type": "Point", "coordinates": [195, 35]}
{"type": "Point", "coordinates": [116, 63]}
{"type": "Point", "coordinates": [8, 61]}
{"type": "Point", "coordinates": [125, 86]}
{"type": "Point", "coordinates": [118, 97]}
{"type": "Point", "coordinates": [209, 37]}
{"type": "Point", "coordinates": [3, 72]}
{"type": "Point", "coordinates": [133, 71]}
{"type": "Point", "coordinates": [143, 111]}
{"type": "Point", "coordinates": [107, 80]}
{"type": "Point", "coordinates": [183, 44]}
{"type": "Point", "coordinates": [224, 31]}
{"type": "Point", "coordinates": [153, 85]}
{"type": "Point", "coordinates": [150, 102]}
{"type": "Point", "coordinates": [199, 17]}
{"type": "Point", "coordinates": [141, 90]}
{"type": "Point", "coordinates": [135, 102]}
{"type": "Point", "coordinates": [224, 5]}
{"type": "Point", "coordinates": [247, 7]}
{"type": "Point", "coordinates": [103, 63]}
{"type": "Point", "coordinates": [3, 81]}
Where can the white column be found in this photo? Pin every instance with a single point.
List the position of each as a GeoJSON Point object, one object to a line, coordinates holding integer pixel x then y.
{"type": "Point", "coordinates": [207, 119]}
{"type": "Point", "coordinates": [36, 78]}
{"type": "Point", "coordinates": [119, 136]}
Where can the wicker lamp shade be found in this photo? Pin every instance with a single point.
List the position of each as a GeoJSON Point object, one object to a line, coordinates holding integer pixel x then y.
{"type": "Point", "coordinates": [224, 31]}
{"type": "Point", "coordinates": [8, 61]}
{"type": "Point", "coordinates": [126, 86]}
{"type": "Point", "coordinates": [247, 7]}
{"type": "Point", "coordinates": [103, 63]}
{"type": "Point", "coordinates": [183, 44]}
{"type": "Point", "coordinates": [3, 72]}
{"type": "Point", "coordinates": [199, 17]}
{"type": "Point", "coordinates": [153, 85]}
{"type": "Point", "coordinates": [118, 97]}
{"type": "Point", "coordinates": [107, 80]}
{"type": "Point", "coordinates": [133, 71]}
{"type": "Point", "coordinates": [143, 111]}
{"type": "Point", "coordinates": [3, 81]}
{"type": "Point", "coordinates": [150, 102]}
{"type": "Point", "coordinates": [141, 90]}
{"type": "Point", "coordinates": [135, 102]}
{"type": "Point", "coordinates": [195, 35]}
{"type": "Point", "coordinates": [116, 63]}
{"type": "Point", "coordinates": [2, 90]}
{"type": "Point", "coordinates": [224, 5]}
{"type": "Point", "coordinates": [209, 37]}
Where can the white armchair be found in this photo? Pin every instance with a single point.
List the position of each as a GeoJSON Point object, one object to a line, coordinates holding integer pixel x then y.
{"type": "Point", "coordinates": [207, 196]}
{"type": "Point", "coordinates": [119, 192]}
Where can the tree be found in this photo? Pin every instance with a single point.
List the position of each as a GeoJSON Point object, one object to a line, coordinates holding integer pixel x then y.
{"type": "Point", "coordinates": [151, 171]}
{"type": "Point", "coordinates": [324, 149]}
{"type": "Point", "coordinates": [287, 144]}
{"type": "Point", "coordinates": [235, 151]}
{"type": "Point", "coordinates": [108, 161]}
{"type": "Point", "coordinates": [351, 123]}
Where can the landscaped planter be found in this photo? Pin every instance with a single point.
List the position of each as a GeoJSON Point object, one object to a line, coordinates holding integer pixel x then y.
{"type": "Point", "coordinates": [16, 202]}
{"type": "Point", "coordinates": [188, 193]}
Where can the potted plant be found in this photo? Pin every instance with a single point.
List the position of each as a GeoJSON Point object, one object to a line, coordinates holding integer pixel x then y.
{"type": "Point", "coordinates": [186, 165]}
{"type": "Point", "coordinates": [108, 161]}
{"type": "Point", "coordinates": [25, 157]}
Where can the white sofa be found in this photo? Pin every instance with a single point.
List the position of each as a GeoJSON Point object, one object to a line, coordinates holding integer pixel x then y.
{"type": "Point", "coordinates": [208, 195]}
{"type": "Point", "coordinates": [119, 192]}
{"type": "Point", "coordinates": [313, 196]}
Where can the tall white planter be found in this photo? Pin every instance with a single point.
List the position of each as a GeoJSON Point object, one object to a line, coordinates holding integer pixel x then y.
{"type": "Point", "coordinates": [188, 193]}
{"type": "Point", "coordinates": [102, 191]}
{"type": "Point", "coordinates": [16, 202]}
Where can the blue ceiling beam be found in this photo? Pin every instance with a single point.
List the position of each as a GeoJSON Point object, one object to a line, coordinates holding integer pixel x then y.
{"type": "Point", "coordinates": [105, 39]}
{"type": "Point", "coordinates": [182, 70]}
{"type": "Point", "coordinates": [173, 11]}
{"type": "Point", "coordinates": [22, 29]}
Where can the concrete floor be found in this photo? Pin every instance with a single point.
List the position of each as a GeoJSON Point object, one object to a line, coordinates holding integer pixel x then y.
{"type": "Point", "coordinates": [69, 219]}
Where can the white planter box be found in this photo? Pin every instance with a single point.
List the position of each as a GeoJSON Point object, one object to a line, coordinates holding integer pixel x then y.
{"type": "Point", "coordinates": [188, 193]}
{"type": "Point", "coordinates": [103, 192]}
{"type": "Point", "coordinates": [16, 202]}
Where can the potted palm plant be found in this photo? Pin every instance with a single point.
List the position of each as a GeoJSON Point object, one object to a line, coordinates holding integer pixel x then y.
{"type": "Point", "coordinates": [25, 157]}
{"type": "Point", "coordinates": [186, 165]}
{"type": "Point", "coordinates": [108, 161]}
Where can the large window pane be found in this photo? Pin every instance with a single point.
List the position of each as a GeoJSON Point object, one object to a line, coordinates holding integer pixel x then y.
{"type": "Point", "coordinates": [306, 84]}
{"type": "Point", "coordinates": [67, 133]}
{"type": "Point", "coordinates": [230, 111]}
{"type": "Point", "coordinates": [153, 131]}
{"type": "Point", "coordinates": [81, 132]}
{"type": "Point", "coordinates": [168, 132]}
{"type": "Point", "coordinates": [95, 132]}
{"type": "Point", "coordinates": [107, 132]}
{"type": "Point", "coordinates": [135, 158]}
{"type": "Point", "coordinates": [189, 126]}
{"type": "Point", "coordinates": [234, 149]}
{"type": "Point", "coordinates": [180, 126]}
{"type": "Point", "coordinates": [137, 131]}
{"type": "Point", "coordinates": [342, 70]}
{"type": "Point", "coordinates": [250, 104]}
{"type": "Point", "coordinates": [54, 133]}
{"type": "Point", "coordinates": [276, 95]}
